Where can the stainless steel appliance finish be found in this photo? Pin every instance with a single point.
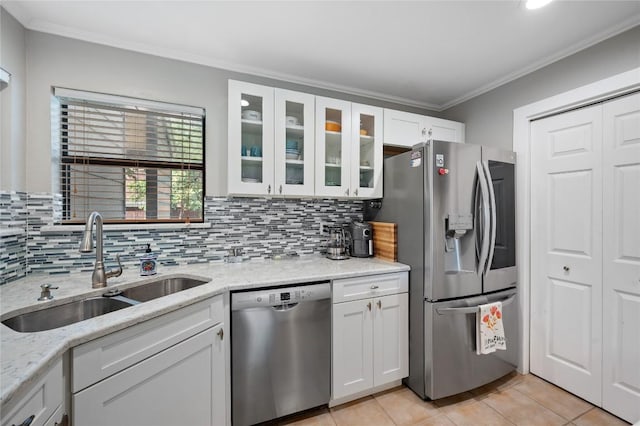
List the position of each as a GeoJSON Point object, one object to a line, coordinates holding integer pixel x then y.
{"type": "Point", "coordinates": [280, 351]}
{"type": "Point", "coordinates": [361, 239]}
{"type": "Point", "coordinates": [455, 209]}
{"type": "Point", "coordinates": [337, 247]}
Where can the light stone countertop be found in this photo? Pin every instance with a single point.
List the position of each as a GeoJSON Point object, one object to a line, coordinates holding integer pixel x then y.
{"type": "Point", "coordinates": [24, 357]}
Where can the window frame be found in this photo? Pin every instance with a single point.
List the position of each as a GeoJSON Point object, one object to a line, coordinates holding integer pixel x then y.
{"type": "Point", "coordinates": [66, 160]}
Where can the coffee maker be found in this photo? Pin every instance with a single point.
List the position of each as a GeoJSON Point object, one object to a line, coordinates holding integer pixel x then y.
{"type": "Point", "coordinates": [361, 239]}
{"type": "Point", "coordinates": [338, 245]}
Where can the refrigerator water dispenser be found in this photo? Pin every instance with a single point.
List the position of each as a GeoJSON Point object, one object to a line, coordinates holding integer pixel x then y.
{"type": "Point", "coordinates": [456, 227]}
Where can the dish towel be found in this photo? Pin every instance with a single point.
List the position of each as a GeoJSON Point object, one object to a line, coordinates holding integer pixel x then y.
{"type": "Point", "coordinates": [489, 329]}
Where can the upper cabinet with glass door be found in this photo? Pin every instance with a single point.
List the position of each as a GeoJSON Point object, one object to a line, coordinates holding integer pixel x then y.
{"type": "Point", "coordinates": [294, 143]}
{"type": "Point", "coordinates": [348, 149]}
{"type": "Point", "coordinates": [366, 151]}
{"type": "Point", "coordinates": [333, 147]}
{"type": "Point", "coordinates": [251, 133]}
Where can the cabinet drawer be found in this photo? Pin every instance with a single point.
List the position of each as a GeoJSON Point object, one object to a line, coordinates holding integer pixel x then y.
{"type": "Point", "coordinates": [41, 401]}
{"type": "Point", "coordinates": [100, 358]}
{"type": "Point", "coordinates": [370, 286]}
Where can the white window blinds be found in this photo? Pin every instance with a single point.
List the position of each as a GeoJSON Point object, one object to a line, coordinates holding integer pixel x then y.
{"type": "Point", "coordinates": [130, 160]}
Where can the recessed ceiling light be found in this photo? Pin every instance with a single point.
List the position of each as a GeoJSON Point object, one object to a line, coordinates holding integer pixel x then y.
{"type": "Point", "coordinates": [536, 4]}
{"type": "Point", "coordinates": [244, 102]}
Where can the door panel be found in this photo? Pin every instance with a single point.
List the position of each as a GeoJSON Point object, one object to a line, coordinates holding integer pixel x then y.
{"type": "Point", "coordinates": [621, 255]}
{"type": "Point", "coordinates": [503, 272]}
{"type": "Point", "coordinates": [352, 339]}
{"type": "Point", "coordinates": [566, 266]}
{"type": "Point", "coordinates": [454, 257]}
{"type": "Point", "coordinates": [569, 330]}
{"type": "Point", "coordinates": [142, 394]}
{"type": "Point", "coordinates": [571, 216]}
{"type": "Point", "coordinates": [452, 364]}
{"type": "Point", "coordinates": [391, 338]}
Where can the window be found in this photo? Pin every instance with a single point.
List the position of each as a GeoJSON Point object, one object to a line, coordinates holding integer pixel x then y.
{"type": "Point", "coordinates": [129, 159]}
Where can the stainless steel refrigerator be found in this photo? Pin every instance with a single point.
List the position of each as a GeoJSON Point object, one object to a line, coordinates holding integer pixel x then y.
{"type": "Point", "coordinates": [455, 209]}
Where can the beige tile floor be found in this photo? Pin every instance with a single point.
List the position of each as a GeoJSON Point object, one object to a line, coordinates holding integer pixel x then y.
{"type": "Point", "coordinates": [512, 400]}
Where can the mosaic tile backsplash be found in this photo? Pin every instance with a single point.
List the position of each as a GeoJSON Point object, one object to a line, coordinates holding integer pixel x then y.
{"type": "Point", "coordinates": [261, 227]}
{"type": "Point", "coordinates": [13, 235]}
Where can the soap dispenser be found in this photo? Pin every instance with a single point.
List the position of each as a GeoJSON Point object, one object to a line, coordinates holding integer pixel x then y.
{"type": "Point", "coordinates": [148, 262]}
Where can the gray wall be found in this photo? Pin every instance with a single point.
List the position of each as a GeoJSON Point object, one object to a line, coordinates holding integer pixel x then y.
{"type": "Point", "coordinates": [12, 104]}
{"type": "Point", "coordinates": [63, 62]}
{"type": "Point", "coordinates": [489, 117]}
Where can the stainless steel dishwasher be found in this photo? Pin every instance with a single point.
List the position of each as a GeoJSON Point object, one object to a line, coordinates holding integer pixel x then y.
{"type": "Point", "coordinates": [280, 351]}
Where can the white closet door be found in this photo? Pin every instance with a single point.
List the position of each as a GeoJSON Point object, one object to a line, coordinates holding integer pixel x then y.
{"type": "Point", "coordinates": [566, 251]}
{"type": "Point", "coordinates": [621, 254]}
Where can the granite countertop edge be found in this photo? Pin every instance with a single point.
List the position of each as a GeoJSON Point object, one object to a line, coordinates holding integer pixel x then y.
{"type": "Point", "coordinates": [25, 357]}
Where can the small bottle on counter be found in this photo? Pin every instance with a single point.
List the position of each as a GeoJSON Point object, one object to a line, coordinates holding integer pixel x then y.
{"type": "Point", "coordinates": [148, 262]}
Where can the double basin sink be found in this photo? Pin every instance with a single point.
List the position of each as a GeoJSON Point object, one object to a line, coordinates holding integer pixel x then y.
{"type": "Point", "coordinates": [80, 310]}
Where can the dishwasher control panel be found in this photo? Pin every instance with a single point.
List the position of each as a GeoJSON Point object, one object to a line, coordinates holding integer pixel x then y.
{"type": "Point", "coordinates": [280, 295]}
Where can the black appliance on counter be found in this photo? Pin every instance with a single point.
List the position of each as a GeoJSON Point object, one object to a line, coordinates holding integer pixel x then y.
{"type": "Point", "coordinates": [361, 239]}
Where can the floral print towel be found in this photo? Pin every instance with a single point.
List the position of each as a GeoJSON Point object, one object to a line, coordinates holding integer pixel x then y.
{"type": "Point", "coordinates": [489, 329]}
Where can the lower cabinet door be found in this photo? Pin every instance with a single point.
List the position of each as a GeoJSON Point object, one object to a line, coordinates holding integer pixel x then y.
{"type": "Point", "coordinates": [182, 385]}
{"type": "Point", "coordinates": [390, 338]}
{"type": "Point", "coordinates": [352, 347]}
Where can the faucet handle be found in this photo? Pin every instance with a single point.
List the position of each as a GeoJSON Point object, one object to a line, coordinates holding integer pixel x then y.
{"type": "Point", "coordinates": [45, 294]}
{"type": "Point", "coordinates": [115, 272]}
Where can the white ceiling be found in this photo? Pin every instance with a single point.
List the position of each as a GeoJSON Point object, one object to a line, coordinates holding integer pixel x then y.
{"type": "Point", "coordinates": [431, 54]}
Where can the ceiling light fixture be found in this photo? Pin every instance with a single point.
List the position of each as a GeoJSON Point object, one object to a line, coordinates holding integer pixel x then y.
{"type": "Point", "coordinates": [536, 4]}
{"type": "Point", "coordinates": [244, 102]}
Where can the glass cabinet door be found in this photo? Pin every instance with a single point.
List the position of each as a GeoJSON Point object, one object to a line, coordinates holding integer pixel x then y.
{"type": "Point", "coordinates": [333, 147]}
{"type": "Point", "coordinates": [366, 153]}
{"type": "Point", "coordinates": [251, 156]}
{"type": "Point", "coordinates": [294, 143]}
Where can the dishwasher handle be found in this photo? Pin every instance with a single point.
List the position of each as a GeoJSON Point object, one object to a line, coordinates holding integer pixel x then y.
{"type": "Point", "coordinates": [285, 307]}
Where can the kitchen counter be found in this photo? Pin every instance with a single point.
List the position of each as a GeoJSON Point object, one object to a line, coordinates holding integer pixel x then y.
{"type": "Point", "coordinates": [24, 357]}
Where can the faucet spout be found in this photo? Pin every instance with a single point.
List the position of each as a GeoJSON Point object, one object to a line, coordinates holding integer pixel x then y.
{"type": "Point", "coordinates": [99, 276]}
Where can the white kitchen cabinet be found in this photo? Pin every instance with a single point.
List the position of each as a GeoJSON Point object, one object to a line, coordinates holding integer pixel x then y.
{"type": "Point", "coordinates": [369, 336]}
{"type": "Point", "coordinates": [43, 403]}
{"type": "Point", "coordinates": [271, 141]}
{"type": "Point", "coordinates": [165, 371]}
{"type": "Point", "coordinates": [294, 143]}
{"type": "Point", "coordinates": [406, 129]}
{"type": "Point", "coordinates": [181, 385]}
{"type": "Point", "coordinates": [251, 134]}
{"type": "Point", "coordinates": [366, 151]}
{"type": "Point", "coordinates": [348, 149]}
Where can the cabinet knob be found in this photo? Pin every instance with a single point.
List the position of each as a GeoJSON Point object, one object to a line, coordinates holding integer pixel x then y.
{"type": "Point", "coordinates": [379, 304]}
{"type": "Point", "coordinates": [280, 189]}
{"type": "Point", "coordinates": [346, 192]}
{"type": "Point", "coordinates": [269, 189]}
{"type": "Point", "coordinates": [221, 334]}
{"type": "Point", "coordinates": [355, 192]}
{"type": "Point", "coordinates": [369, 305]}
{"type": "Point", "coordinates": [566, 268]}
{"type": "Point", "coordinates": [374, 286]}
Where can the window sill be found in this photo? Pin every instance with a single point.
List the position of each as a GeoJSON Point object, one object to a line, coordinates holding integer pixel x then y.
{"type": "Point", "coordinates": [63, 229]}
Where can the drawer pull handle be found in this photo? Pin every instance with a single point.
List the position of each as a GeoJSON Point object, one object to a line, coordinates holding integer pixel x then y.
{"type": "Point", "coordinates": [373, 287]}
{"type": "Point", "coordinates": [369, 305]}
{"type": "Point", "coordinates": [27, 421]}
{"type": "Point", "coordinates": [566, 268]}
{"type": "Point", "coordinates": [221, 334]}
{"type": "Point", "coordinates": [379, 304]}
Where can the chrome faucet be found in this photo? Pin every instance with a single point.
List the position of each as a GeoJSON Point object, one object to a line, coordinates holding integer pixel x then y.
{"type": "Point", "coordinates": [99, 277]}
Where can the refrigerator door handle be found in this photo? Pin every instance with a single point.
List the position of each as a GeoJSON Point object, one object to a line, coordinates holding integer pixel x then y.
{"type": "Point", "coordinates": [492, 201]}
{"type": "Point", "coordinates": [471, 309]}
{"type": "Point", "coordinates": [486, 225]}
